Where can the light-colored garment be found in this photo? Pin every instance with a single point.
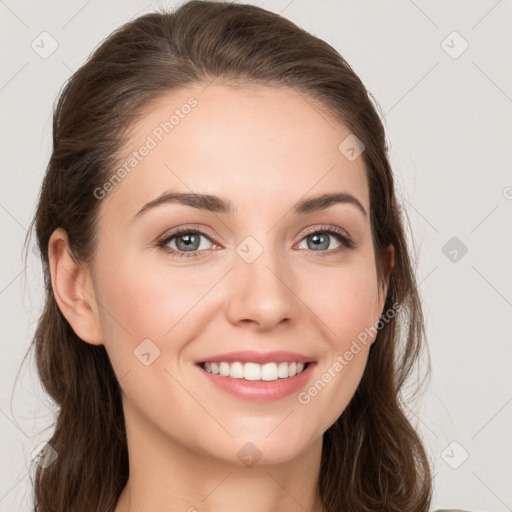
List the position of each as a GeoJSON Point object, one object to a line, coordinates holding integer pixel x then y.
{"type": "Point", "coordinates": [451, 510]}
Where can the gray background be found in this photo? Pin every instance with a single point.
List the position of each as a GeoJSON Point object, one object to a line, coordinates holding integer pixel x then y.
{"type": "Point", "coordinates": [448, 119]}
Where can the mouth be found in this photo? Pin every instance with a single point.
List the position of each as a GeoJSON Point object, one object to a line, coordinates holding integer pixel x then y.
{"type": "Point", "coordinates": [252, 376]}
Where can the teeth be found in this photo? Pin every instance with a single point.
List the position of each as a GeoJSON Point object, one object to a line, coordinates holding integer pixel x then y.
{"type": "Point", "coordinates": [236, 370]}
{"type": "Point", "coordinates": [282, 370]}
{"type": "Point", "coordinates": [254, 371]}
{"type": "Point", "coordinates": [224, 369]}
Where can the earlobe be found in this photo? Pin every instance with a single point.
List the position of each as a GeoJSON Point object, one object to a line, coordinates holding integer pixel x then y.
{"type": "Point", "coordinates": [73, 290]}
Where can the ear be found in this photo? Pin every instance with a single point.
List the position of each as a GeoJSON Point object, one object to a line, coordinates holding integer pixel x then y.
{"type": "Point", "coordinates": [389, 263]}
{"type": "Point", "coordinates": [73, 289]}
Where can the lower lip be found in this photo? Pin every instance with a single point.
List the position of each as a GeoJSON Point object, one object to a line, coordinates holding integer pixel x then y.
{"type": "Point", "coordinates": [260, 390]}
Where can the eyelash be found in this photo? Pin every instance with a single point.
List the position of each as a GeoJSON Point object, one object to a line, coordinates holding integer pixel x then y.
{"type": "Point", "coordinates": [340, 235]}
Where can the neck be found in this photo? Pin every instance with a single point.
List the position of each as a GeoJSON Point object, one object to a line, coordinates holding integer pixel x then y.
{"type": "Point", "coordinates": [165, 475]}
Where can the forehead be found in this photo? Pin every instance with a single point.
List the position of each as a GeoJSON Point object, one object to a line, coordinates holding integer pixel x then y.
{"type": "Point", "coordinates": [246, 142]}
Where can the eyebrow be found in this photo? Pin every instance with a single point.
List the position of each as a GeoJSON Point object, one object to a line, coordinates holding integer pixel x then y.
{"type": "Point", "coordinates": [218, 204]}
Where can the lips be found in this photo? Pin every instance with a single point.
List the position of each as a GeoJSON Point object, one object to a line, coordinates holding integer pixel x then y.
{"type": "Point", "coordinates": [252, 356]}
{"type": "Point", "coordinates": [258, 376]}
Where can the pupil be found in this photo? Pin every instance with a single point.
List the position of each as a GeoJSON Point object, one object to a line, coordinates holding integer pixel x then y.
{"type": "Point", "coordinates": [188, 241]}
{"type": "Point", "coordinates": [317, 241]}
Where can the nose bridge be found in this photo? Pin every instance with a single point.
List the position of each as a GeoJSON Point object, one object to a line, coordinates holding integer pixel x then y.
{"type": "Point", "coordinates": [262, 283]}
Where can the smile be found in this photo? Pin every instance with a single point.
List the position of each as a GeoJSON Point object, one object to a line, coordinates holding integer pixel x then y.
{"type": "Point", "coordinates": [265, 381]}
{"type": "Point", "coordinates": [254, 371]}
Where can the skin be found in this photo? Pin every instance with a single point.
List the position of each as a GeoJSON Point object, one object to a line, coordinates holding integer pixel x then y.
{"type": "Point", "coordinates": [264, 149]}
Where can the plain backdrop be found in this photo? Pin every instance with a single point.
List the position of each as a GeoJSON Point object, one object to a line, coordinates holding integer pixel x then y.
{"type": "Point", "coordinates": [441, 73]}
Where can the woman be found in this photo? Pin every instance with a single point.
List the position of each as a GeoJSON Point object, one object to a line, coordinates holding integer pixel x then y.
{"type": "Point", "coordinates": [231, 311]}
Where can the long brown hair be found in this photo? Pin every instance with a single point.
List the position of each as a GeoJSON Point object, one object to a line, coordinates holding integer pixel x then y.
{"type": "Point", "coordinates": [372, 457]}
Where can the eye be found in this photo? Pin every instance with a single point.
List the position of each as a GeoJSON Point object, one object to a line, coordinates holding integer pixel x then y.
{"type": "Point", "coordinates": [319, 239]}
{"type": "Point", "coordinates": [184, 242]}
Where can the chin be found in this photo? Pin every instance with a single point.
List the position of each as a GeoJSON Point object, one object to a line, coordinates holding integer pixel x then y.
{"type": "Point", "coordinates": [276, 448]}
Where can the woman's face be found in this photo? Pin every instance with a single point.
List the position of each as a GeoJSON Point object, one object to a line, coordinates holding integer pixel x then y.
{"type": "Point", "coordinates": [245, 281]}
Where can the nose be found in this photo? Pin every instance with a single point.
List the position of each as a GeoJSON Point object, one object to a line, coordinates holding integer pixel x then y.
{"type": "Point", "coordinates": [262, 292]}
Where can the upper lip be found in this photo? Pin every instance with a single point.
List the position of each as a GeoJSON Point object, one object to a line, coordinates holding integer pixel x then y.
{"type": "Point", "coordinates": [251, 356]}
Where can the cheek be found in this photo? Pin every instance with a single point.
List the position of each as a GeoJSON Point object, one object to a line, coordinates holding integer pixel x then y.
{"type": "Point", "coordinates": [344, 299]}
{"type": "Point", "coordinates": [149, 301]}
